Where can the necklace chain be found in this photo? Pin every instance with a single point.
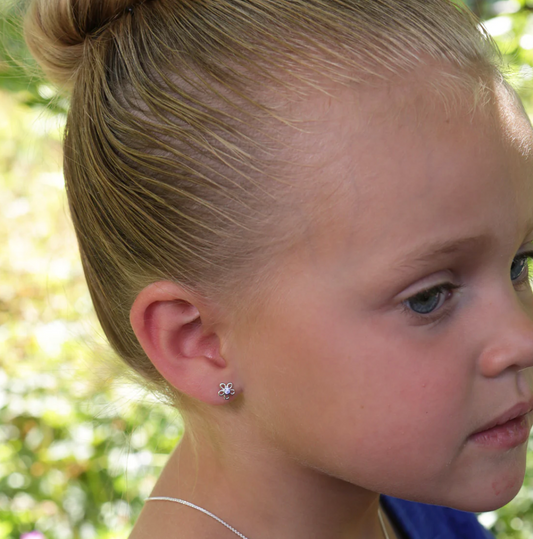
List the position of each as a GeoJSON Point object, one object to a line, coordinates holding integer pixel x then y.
{"type": "Point", "coordinates": [383, 528]}
{"type": "Point", "coordinates": [167, 499]}
{"type": "Point", "coordinates": [189, 504]}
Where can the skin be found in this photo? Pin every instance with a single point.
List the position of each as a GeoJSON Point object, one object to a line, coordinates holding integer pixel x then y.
{"type": "Point", "coordinates": [342, 391]}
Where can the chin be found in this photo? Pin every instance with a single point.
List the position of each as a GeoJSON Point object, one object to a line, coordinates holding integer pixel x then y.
{"type": "Point", "coordinates": [492, 500]}
{"type": "Point", "coordinates": [492, 493]}
{"type": "Point", "coordinates": [476, 489]}
{"type": "Point", "coordinates": [474, 502]}
{"type": "Point", "coordinates": [490, 483]}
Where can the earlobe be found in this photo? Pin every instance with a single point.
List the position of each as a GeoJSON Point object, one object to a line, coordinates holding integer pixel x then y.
{"type": "Point", "coordinates": [171, 326]}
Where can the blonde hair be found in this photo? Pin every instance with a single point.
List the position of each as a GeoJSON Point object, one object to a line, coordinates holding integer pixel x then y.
{"type": "Point", "coordinates": [174, 135]}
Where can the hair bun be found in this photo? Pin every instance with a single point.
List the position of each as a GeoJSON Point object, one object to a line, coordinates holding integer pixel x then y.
{"type": "Point", "coordinates": [55, 31]}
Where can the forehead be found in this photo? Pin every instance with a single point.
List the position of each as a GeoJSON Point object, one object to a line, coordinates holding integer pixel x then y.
{"type": "Point", "coordinates": [407, 162]}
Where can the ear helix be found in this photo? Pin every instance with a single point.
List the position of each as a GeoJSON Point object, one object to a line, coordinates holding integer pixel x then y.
{"type": "Point", "coordinates": [226, 390]}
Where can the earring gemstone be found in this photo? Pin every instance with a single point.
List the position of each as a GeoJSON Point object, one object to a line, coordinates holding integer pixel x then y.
{"type": "Point", "coordinates": [226, 390]}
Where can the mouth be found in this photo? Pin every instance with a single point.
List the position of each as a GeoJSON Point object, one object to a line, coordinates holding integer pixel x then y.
{"type": "Point", "coordinates": [509, 430]}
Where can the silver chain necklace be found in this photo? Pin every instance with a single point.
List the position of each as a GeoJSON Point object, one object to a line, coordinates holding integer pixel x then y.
{"type": "Point", "coordinates": [177, 500]}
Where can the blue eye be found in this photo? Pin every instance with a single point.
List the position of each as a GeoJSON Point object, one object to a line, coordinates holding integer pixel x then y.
{"type": "Point", "coordinates": [520, 267]}
{"type": "Point", "coordinates": [430, 300]}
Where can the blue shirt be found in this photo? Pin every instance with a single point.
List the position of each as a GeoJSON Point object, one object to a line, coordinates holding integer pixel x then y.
{"type": "Point", "coordinates": [421, 521]}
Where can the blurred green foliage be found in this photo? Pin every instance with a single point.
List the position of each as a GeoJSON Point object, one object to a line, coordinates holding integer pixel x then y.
{"type": "Point", "coordinates": [18, 71]}
{"type": "Point", "coordinates": [77, 454]}
{"type": "Point", "coordinates": [78, 451]}
{"type": "Point", "coordinates": [510, 23]}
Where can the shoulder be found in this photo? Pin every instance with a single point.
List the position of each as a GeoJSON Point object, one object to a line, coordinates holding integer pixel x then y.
{"type": "Point", "coordinates": [423, 521]}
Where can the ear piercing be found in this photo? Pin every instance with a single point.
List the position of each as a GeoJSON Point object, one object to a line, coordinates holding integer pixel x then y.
{"type": "Point", "coordinates": [227, 390]}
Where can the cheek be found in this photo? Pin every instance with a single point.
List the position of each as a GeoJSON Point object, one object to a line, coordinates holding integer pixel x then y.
{"type": "Point", "coordinates": [359, 395]}
{"type": "Point", "coordinates": [428, 383]}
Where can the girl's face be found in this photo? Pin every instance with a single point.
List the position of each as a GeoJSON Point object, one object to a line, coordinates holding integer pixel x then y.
{"type": "Point", "coordinates": [404, 325]}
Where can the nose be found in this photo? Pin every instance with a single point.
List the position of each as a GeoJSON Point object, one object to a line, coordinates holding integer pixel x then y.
{"type": "Point", "coordinates": [510, 342]}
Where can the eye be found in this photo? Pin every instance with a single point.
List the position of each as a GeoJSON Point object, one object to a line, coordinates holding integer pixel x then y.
{"type": "Point", "coordinates": [520, 267]}
{"type": "Point", "coordinates": [429, 301]}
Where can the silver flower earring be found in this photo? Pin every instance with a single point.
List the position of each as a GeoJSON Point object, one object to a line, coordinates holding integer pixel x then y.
{"type": "Point", "coordinates": [227, 390]}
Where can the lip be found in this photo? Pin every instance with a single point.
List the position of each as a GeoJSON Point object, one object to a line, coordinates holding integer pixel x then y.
{"type": "Point", "coordinates": [509, 430]}
{"type": "Point", "coordinates": [520, 409]}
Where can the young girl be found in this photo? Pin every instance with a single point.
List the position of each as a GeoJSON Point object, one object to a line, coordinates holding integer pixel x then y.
{"type": "Point", "coordinates": [308, 223]}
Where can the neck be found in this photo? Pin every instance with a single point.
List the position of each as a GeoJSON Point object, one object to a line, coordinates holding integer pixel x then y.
{"type": "Point", "coordinates": [263, 493]}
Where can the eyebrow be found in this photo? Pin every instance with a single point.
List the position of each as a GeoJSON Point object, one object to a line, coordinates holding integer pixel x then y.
{"type": "Point", "coordinates": [427, 253]}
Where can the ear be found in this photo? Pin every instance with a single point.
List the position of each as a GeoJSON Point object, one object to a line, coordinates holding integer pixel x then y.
{"type": "Point", "coordinates": [177, 331]}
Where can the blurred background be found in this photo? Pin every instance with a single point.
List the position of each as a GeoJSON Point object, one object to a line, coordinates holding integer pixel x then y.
{"type": "Point", "coordinates": [81, 447]}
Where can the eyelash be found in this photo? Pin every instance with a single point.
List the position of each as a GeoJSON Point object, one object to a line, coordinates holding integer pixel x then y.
{"type": "Point", "coordinates": [441, 313]}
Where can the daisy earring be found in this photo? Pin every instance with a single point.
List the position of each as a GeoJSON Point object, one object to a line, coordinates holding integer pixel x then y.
{"type": "Point", "coordinates": [226, 390]}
